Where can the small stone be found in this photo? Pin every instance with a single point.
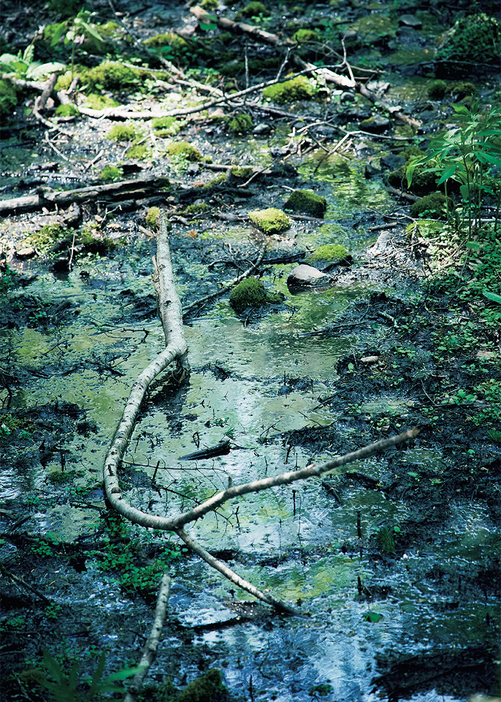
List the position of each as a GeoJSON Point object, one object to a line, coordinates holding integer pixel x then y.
{"type": "Point", "coordinates": [392, 161]}
{"type": "Point", "coordinates": [410, 21]}
{"type": "Point", "coordinates": [369, 359]}
{"type": "Point", "coordinates": [370, 171]}
{"type": "Point", "coordinates": [304, 276]}
{"type": "Point", "coordinates": [376, 124]}
{"type": "Point", "coordinates": [27, 252]}
{"type": "Point", "coordinates": [261, 129]}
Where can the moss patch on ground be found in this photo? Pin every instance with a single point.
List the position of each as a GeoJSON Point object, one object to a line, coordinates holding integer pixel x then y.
{"type": "Point", "coordinates": [328, 252]}
{"type": "Point", "coordinates": [185, 150]}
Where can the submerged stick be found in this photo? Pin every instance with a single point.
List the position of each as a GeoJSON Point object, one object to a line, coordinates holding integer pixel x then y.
{"type": "Point", "coordinates": [150, 647]}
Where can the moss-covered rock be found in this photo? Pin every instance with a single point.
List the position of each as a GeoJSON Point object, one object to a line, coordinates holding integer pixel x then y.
{"type": "Point", "coordinates": [432, 205]}
{"type": "Point", "coordinates": [424, 181]}
{"type": "Point", "coordinates": [473, 38]}
{"type": "Point", "coordinates": [253, 9]}
{"type": "Point", "coordinates": [195, 209]}
{"type": "Point", "coordinates": [185, 150]}
{"type": "Point", "coordinates": [330, 253]}
{"type": "Point", "coordinates": [49, 235]}
{"type": "Point", "coordinates": [307, 202]}
{"type": "Point", "coordinates": [113, 75]}
{"type": "Point", "coordinates": [270, 221]}
{"type": "Point", "coordinates": [153, 218]}
{"type": "Point", "coordinates": [437, 89]}
{"type": "Point", "coordinates": [241, 124]}
{"type": "Point", "coordinates": [110, 174]}
{"type": "Point", "coordinates": [305, 35]}
{"type": "Point", "coordinates": [8, 98]}
{"type": "Point", "coordinates": [298, 88]}
{"type": "Point", "coordinates": [126, 131]}
{"type": "Point", "coordinates": [464, 89]}
{"type": "Point", "coordinates": [251, 292]}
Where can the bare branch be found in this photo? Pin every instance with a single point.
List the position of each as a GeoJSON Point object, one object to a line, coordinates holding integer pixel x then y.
{"type": "Point", "coordinates": [150, 647]}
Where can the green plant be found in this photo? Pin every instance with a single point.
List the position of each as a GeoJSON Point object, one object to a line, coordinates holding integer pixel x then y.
{"type": "Point", "coordinates": [473, 38]}
{"type": "Point", "coordinates": [437, 89]}
{"type": "Point", "coordinates": [53, 611]}
{"type": "Point", "coordinates": [110, 174]}
{"type": "Point", "coordinates": [184, 150]}
{"type": "Point", "coordinates": [67, 687]}
{"type": "Point", "coordinates": [469, 155]}
{"type": "Point", "coordinates": [299, 88]}
{"type": "Point", "coordinates": [7, 275]}
{"type": "Point", "coordinates": [240, 124]}
{"type": "Point", "coordinates": [270, 220]}
{"type": "Point", "coordinates": [75, 31]}
{"type": "Point", "coordinates": [123, 132]}
{"type": "Point", "coordinates": [24, 65]}
{"type": "Point", "coordinates": [67, 111]}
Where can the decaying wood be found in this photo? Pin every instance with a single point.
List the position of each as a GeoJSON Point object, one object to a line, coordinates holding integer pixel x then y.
{"type": "Point", "coordinates": [150, 648]}
{"type": "Point", "coordinates": [123, 190]}
{"type": "Point", "coordinates": [240, 28]}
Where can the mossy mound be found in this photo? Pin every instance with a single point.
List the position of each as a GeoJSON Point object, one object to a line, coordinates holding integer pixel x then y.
{"type": "Point", "coordinates": [165, 126]}
{"type": "Point", "coordinates": [8, 98]}
{"type": "Point", "coordinates": [48, 235]}
{"type": "Point", "coordinates": [298, 88]}
{"type": "Point", "coordinates": [185, 150]}
{"type": "Point", "coordinates": [99, 102]}
{"type": "Point", "coordinates": [241, 124]}
{"type": "Point", "coordinates": [113, 75]}
{"type": "Point", "coordinates": [138, 152]}
{"type": "Point", "coordinates": [67, 111]}
{"type": "Point", "coordinates": [424, 181]}
{"type": "Point", "coordinates": [304, 35]}
{"type": "Point", "coordinates": [432, 205]}
{"type": "Point", "coordinates": [122, 132]}
{"type": "Point", "coordinates": [330, 253]}
{"type": "Point", "coordinates": [474, 38]}
{"type": "Point", "coordinates": [437, 89]}
{"type": "Point", "coordinates": [307, 202]}
{"type": "Point", "coordinates": [253, 9]}
{"type": "Point", "coordinates": [270, 221]}
{"type": "Point", "coordinates": [464, 89]}
{"type": "Point", "coordinates": [110, 174]}
{"type": "Point", "coordinates": [207, 688]}
{"type": "Point", "coordinates": [251, 292]}
{"type": "Point", "coordinates": [167, 39]}
{"type": "Point", "coordinates": [153, 218]}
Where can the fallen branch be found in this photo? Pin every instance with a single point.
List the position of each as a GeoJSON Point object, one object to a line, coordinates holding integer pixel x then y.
{"type": "Point", "coordinates": [123, 190]}
{"type": "Point", "coordinates": [150, 647]}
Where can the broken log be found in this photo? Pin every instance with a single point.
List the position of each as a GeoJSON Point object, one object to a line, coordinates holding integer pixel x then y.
{"type": "Point", "coordinates": [116, 192]}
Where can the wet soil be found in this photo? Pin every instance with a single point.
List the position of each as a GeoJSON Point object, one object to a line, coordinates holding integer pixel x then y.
{"type": "Point", "coordinates": [394, 561]}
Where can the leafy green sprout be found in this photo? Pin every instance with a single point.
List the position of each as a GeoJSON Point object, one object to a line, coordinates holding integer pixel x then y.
{"type": "Point", "coordinates": [469, 154]}
{"type": "Point", "coordinates": [76, 30]}
{"type": "Point", "coordinates": [23, 65]}
{"type": "Point", "coordinates": [65, 687]}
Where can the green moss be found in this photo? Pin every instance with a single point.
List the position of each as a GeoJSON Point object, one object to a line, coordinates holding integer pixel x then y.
{"type": "Point", "coordinates": [123, 132]}
{"type": "Point", "coordinates": [307, 202]}
{"type": "Point", "coordinates": [208, 688]}
{"type": "Point", "coordinates": [138, 152]}
{"type": "Point", "coordinates": [412, 152]}
{"type": "Point", "coordinates": [165, 126]}
{"type": "Point", "coordinates": [270, 221]}
{"type": "Point", "coordinates": [253, 9]}
{"type": "Point", "coordinates": [473, 38]}
{"type": "Point", "coordinates": [67, 111]}
{"type": "Point", "coordinates": [8, 98]}
{"type": "Point", "coordinates": [241, 124]}
{"type": "Point", "coordinates": [166, 39]}
{"type": "Point", "coordinates": [197, 208]}
{"type": "Point", "coordinates": [66, 8]}
{"type": "Point", "coordinates": [432, 205]}
{"type": "Point", "coordinates": [185, 150]}
{"type": "Point", "coordinates": [215, 182]}
{"type": "Point", "coordinates": [91, 239]}
{"type": "Point", "coordinates": [48, 235]}
{"type": "Point", "coordinates": [242, 173]}
{"type": "Point", "coordinates": [113, 75]}
{"type": "Point", "coordinates": [210, 4]}
{"type": "Point", "coordinates": [374, 28]}
{"type": "Point", "coordinates": [251, 292]}
{"type": "Point", "coordinates": [328, 252]}
{"type": "Point", "coordinates": [99, 102]}
{"type": "Point", "coordinates": [464, 89]}
{"type": "Point", "coordinates": [304, 35]}
{"type": "Point", "coordinates": [298, 88]}
{"type": "Point", "coordinates": [437, 89]}
{"type": "Point", "coordinates": [109, 174]}
{"type": "Point", "coordinates": [153, 218]}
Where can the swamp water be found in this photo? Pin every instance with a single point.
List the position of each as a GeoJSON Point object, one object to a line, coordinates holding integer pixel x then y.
{"type": "Point", "coordinates": [252, 384]}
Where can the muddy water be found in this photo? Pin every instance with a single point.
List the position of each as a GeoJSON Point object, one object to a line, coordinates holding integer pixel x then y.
{"type": "Point", "coordinates": [252, 383]}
